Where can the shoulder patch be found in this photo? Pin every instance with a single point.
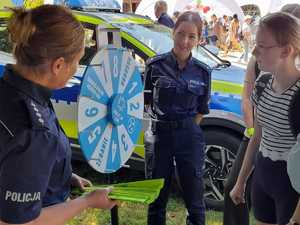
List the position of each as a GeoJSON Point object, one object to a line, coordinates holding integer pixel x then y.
{"type": "Point", "coordinates": [202, 65]}
{"type": "Point", "coordinates": [35, 114]}
{"type": "Point", "coordinates": [155, 59]}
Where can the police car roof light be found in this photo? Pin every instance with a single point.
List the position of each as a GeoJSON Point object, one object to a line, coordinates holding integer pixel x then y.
{"type": "Point", "coordinates": [95, 9]}
{"type": "Point", "coordinates": [91, 4]}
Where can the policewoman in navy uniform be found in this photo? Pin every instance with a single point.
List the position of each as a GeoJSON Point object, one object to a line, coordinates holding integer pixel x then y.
{"type": "Point", "coordinates": [35, 155]}
{"type": "Point", "coordinates": [177, 90]}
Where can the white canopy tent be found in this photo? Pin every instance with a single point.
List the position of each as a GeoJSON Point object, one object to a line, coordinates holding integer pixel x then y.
{"type": "Point", "coordinates": [218, 7]}
{"type": "Point", "coordinates": [280, 3]}
{"type": "Point", "coordinates": [266, 6]}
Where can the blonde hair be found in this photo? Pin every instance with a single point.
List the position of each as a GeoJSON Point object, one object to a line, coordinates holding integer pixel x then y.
{"type": "Point", "coordinates": [162, 5]}
{"type": "Point", "coordinates": [43, 34]}
{"type": "Point", "coordinates": [284, 27]}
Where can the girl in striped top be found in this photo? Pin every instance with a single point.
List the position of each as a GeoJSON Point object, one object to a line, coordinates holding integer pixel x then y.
{"type": "Point", "coordinates": [277, 49]}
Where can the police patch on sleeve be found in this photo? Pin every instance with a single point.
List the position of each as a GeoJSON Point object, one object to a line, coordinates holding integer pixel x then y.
{"type": "Point", "coordinates": [21, 197]}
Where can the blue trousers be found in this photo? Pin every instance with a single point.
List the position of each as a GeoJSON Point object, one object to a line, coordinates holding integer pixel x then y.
{"type": "Point", "coordinates": [185, 145]}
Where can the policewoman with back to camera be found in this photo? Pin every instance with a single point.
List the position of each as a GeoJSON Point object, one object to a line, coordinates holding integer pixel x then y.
{"type": "Point", "coordinates": [35, 154]}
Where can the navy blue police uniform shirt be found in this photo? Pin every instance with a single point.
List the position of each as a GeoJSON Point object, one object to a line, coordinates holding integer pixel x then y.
{"type": "Point", "coordinates": [35, 155]}
{"type": "Point", "coordinates": [166, 20]}
{"type": "Point", "coordinates": [176, 94]}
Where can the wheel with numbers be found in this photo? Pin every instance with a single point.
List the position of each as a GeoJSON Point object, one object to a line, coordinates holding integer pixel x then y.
{"type": "Point", "coordinates": [110, 109]}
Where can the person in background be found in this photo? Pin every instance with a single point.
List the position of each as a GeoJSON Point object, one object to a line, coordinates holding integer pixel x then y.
{"type": "Point", "coordinates": [224, 33]}
{"type": "Point", "coordinates": [214, 30]}
{"type": "Point", "coordinates": [160, 11]}
{"type": "Point", "coordinates": [245, 37]}
{"type": "Point", "coordinates": [204, 37]}
{"type": "Point", "coordinates": [232, 38]}
{"type": "Point", "coordinates": [221, 35]}
{"type": "Point", "coordinates": [35, 154]}
{"type": "Point", "coordinates": [273, 199]}
{"type": "Point", "coordinates": [175, 16]}
{"type": "Point", "coordinates": [225, 23]}
{"type": "Point", "coordinates": [177, 90]}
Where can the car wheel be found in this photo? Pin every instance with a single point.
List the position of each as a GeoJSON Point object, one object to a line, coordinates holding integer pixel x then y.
{"type": "Point", "coordinates": [221, 149]}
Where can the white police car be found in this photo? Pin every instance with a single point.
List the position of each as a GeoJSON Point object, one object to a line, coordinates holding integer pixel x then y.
{"type": "Point", "coordinates": [223, 127]}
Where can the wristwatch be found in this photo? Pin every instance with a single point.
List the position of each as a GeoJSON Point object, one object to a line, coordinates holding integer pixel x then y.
{"type": "Point", "coordinates": [293, 222]}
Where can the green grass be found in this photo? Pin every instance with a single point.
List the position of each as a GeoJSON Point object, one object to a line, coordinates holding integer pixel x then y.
{"type": "Point", "coordinates": [133, 213]}
{"type": "Point", "coordinates": [136, 214]}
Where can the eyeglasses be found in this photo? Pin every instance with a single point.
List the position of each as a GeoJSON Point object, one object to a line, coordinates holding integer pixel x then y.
{"type": "Point", "coordinates": [263, 47]}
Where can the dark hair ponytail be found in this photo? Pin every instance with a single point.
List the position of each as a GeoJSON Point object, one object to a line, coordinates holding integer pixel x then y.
{"type": "Point", "coordinates": [192, 17]}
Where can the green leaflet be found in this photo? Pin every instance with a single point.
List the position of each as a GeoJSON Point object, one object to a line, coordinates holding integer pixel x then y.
{"type": "Point", "coordinates": [145, 191]}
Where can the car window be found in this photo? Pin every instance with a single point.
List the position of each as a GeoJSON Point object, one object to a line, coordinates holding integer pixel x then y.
{"type": "Point", "coordinates": [159, 39]}
{"type": "Point", "coordinates": [150, 35]}
{"type": "Point", "coordinates": [139, 60]}
{"type": "Point", "coordinates": [90, 43]}
{"type": "Point", "coordinates": [139, 56]}
{"type": "Point", "coordinates": [5, 45]}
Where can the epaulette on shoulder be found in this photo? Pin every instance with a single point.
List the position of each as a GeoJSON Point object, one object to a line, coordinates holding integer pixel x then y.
{"type": "Point", "coordinates": [35, 114]}
{"type": "Point", "coordinates": [155, 59]}
{"type": "Point", "coordinates": [202, 65]}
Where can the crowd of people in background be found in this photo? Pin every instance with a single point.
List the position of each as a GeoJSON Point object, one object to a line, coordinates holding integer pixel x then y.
{"type": "Point", "coordinates": [270, 102]}
{"type": "Point", "coordinates": [177, 94]}
{"type": "Point", "coordinates": [228, 33]}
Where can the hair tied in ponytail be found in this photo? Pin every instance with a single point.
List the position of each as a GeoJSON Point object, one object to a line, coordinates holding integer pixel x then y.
{"type": "Point", "coordinates": [20, 26]}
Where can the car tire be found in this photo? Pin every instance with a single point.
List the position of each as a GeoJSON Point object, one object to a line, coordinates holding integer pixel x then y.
{"type": "Point", "coordinates": [221, 149]}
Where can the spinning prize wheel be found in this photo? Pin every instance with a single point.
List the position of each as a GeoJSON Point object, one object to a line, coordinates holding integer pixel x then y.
{"type": "Point", "coordinates": [110, 109]}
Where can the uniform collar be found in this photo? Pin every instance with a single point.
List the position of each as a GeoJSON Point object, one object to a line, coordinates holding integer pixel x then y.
{"type": "Point", "coordinates": [163, 15]}
{"type": "Point", "coordinates": [173, 60]}
{"type": "Point", "coordinates": [37, 92]}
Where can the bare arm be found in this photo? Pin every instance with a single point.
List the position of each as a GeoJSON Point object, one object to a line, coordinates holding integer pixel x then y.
{"type": "Point", "coordinates": [250, 154]}
{"type": "Point", "coordinates": [237, 193]}
{"type": "Point", "coordinates": [59, 214]}
{"type": "Point", "coordinates": [249, 81]}
{"type": "Point", "coordinates": [198, 118]}
{"type": "Point", "coordinates": [296, 215]}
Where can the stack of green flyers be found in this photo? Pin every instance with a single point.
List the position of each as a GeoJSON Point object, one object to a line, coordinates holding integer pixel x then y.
{"type": "Point", "coordinates": [145, 191]}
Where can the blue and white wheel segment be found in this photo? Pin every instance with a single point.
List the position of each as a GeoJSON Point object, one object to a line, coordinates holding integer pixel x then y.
{"type": "Point", "coordinates": [110, 109]}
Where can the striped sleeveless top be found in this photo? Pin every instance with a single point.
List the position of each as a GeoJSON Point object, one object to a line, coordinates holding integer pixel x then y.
{"type": "Point", "coordinates": [272, 115]}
